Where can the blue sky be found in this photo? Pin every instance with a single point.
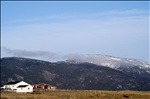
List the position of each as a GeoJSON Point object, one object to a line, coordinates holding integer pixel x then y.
{"type": "Point", "coordinates": [49, 30]}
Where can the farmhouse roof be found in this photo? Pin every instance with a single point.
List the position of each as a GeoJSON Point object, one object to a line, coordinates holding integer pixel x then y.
{"type": "Point", "coordinates": [9, 83]}
{"type": "Point", "coordinates": [22, 86]}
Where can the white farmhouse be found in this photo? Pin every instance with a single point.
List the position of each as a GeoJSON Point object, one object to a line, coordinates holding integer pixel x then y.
{"type": "Point", "coordinates": [18, 86]}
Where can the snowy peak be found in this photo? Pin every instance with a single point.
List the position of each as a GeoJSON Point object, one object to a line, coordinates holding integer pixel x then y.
{"type": "Point", "coordinates": [109, 61]}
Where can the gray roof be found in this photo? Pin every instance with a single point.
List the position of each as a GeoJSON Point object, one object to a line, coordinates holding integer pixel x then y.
{"type": "Point", "coordinates": [10, 83]}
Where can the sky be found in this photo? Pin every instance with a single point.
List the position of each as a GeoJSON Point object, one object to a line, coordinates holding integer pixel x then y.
{"type": "Point", "coordinates": [49, 30]}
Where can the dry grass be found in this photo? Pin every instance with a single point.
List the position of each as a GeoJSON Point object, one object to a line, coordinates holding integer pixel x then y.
{"type": "Point", "coordinates": [77, 94]}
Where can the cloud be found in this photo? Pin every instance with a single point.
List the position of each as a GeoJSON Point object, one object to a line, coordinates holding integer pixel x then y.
{"type": "Point", "coordinates": [49, 56]}
{"type": "Point", "coordinates": [38, 19]}
{"type": "Point", "coordinates": [75, 16]}
{"type": "Point", "coordinates": [118, 13]}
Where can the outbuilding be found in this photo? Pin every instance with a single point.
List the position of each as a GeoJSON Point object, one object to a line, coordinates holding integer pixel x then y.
{"type": "Point", "coordinates": [43, 86]}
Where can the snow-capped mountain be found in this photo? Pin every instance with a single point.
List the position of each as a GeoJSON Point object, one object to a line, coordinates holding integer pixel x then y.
{"type": "Point", "coordinates": [109, 61]}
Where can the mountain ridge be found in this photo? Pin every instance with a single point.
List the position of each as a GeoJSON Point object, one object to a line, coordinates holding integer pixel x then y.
{"type": "Point", "coordinates": [107, 60]}
{"type": "Point", "coordinates": [67, 75]}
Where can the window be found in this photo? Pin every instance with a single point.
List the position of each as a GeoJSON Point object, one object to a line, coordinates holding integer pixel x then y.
{"type": "Point", "coordinates": [28, 88]}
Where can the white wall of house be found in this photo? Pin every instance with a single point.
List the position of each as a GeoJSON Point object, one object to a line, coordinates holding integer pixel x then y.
{"type": "Point", "coordinates": [10, 86]}
{"type": "Point", "coordinates": [28, 88]}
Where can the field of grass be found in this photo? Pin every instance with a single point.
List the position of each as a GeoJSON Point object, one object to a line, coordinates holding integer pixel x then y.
{"type": "Point", "coordinates": [77, 94]}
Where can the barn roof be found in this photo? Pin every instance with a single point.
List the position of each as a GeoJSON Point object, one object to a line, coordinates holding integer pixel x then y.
{"type": "Point", "coordinates": [42, 84]}
{"type": "Point", "coordinates": [10, 83]}
{"type": "Point", "coordinates": [22, 86]}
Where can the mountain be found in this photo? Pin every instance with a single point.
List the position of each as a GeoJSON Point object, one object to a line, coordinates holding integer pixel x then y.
{"type": "Point", "coordinates": [73, 74]}
{"type": "Point", "coordinates": [130, 66]}
{"type": "Point", "coordinates": [121, 64]}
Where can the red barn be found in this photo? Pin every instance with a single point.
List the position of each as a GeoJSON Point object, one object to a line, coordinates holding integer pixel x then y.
{"type": "Point", "coordinates": [42, 86]}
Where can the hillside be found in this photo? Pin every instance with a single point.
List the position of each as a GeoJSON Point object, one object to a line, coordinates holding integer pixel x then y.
{"type": "Point", "coordinates": [70, 75]}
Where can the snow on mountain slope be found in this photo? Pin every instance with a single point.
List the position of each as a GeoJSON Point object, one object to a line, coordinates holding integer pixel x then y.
{"type": "Point", "coordinates": [109, 61]}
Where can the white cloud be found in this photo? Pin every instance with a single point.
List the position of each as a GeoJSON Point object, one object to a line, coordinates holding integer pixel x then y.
{"type": "Point", "coordinates": [60, 17]}
{"type": "Point", "coordinates": [132, 12]}
{"type": "Point", "coordinates": [44, 55]}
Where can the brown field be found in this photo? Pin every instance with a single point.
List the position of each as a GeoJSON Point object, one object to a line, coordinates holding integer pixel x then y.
{"type": "Point", "coordinates": [77, 94]}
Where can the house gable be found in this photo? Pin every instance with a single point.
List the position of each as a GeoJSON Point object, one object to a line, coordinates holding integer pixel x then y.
{"type": "Point", "coordinates": [19, 86]}
{"type": "Point", "coordinates": [24, 88]}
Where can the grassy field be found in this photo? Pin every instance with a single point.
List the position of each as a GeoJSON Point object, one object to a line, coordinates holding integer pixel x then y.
{"type": "Point", "coordinates": [77, 94]}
